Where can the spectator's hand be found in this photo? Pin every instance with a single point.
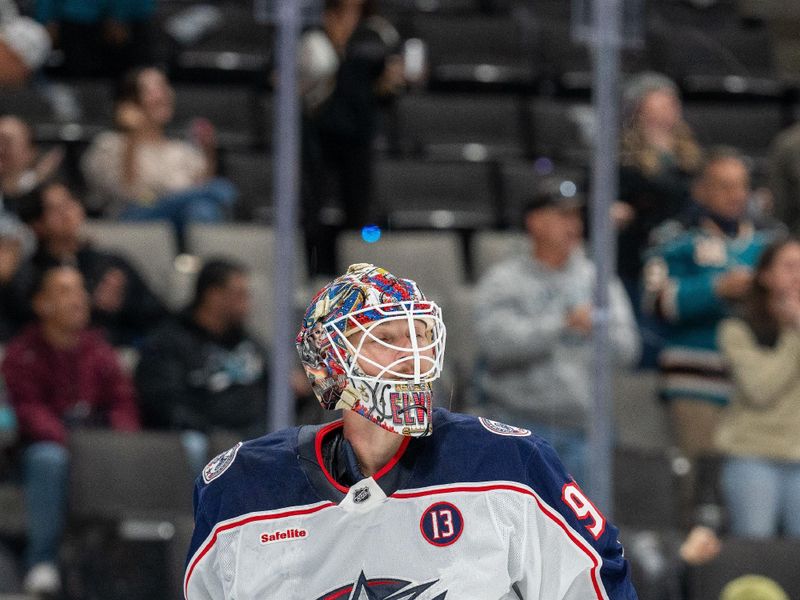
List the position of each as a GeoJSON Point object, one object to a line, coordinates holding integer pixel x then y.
{"type": "Point", "coordinates": [734, 284]}
{"type": "Point", "coordinates": [116, 33]}
{"type": "Point", "coordinates": [10, 258]}
{"type": "Point", "coordinates": [787, 309]}
{"type": "Point", "coordinates": [393, 79]}
{"type": "Point", "coordinates": [622, 214]}
{"type": "Point", "coordinates": [203, 133]}
{"type": "Point", "coordinates": [700, 547]}
{"type": "Point", "coordinates": [49, 163]}
{"type": "Point", "coordinates": [130, 117]}
{"type": "Point", "coordinates": [109, 294]}
{"type": "Point", "coordinates": [580, 319]}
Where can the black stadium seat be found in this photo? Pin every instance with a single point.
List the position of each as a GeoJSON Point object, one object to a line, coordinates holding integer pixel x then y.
{"type": "Point", "coordinates": [460, 127]}
{"type": "Point", "coordinates": [477, 52]}
{"type": "Point", "coordinates": [519, 180]}
{"type": "Point", "coordinates": [435, 195]}
{"type": "Point", "coordinates": [775, 558]}
{"type": "Point", "coordinates": [561, 130]}
{"type": "Point", "coordinates": [749, 126]}
{"type": "Point", "coordinates": [252, 174]}
{"type": "Point", "coordinates": [234, 111]}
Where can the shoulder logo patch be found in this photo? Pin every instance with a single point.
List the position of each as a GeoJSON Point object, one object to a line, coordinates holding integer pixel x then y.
{"type": "Point", "coordinates": [220, 464]}
{"type": "Point", "coordinates": [499, 428]}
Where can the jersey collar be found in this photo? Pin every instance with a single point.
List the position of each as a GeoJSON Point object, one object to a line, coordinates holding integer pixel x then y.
{"type": "Point", "coordinates": [310, 449]}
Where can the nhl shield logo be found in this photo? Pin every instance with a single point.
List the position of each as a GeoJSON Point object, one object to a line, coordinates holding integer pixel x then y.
{"type": "Point", "coordinates": [499, 428]}
{"type": "Point", "coordinates": [220, 464]}
{"type": "Point", "coordinates": [361, 495]}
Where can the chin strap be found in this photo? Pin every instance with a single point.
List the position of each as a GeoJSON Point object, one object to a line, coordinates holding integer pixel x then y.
{"type": "Point", "coordinates": [429, 427]}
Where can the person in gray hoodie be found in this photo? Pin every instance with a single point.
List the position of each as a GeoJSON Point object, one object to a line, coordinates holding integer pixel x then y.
{"type": "Point", "coordinates": [534, 314]}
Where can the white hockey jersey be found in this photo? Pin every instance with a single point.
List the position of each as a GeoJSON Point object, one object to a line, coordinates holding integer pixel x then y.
{"type": "Point", "coordinates": [477, 511]}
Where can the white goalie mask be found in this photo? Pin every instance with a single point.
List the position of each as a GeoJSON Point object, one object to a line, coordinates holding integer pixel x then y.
{"type": "Point", "coordinates": [372, 343]}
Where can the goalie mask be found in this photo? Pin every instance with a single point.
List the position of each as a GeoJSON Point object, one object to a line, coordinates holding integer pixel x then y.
{"type": "Point", "coordinates": [371, 342]}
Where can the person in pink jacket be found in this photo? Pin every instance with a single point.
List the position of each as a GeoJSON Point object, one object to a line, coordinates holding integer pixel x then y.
{"type": "Point", "coordinates": [59, 375]}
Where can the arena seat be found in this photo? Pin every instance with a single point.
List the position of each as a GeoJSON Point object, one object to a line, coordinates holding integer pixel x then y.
{"type": "Point", "coordinates": [248, 243]}
{"type": "Point", "coordinates": [456, 390]}
{"type": "Point", "coordinates": [253, 246]}
{"type": "Point", "coordinates": [460, 127]}
{"type": "Point", "coordinates": [127, 491]}
{"type": "Point", "coordinates": [234, 111]}
{"type": "Point", "coordinates": [237, 49]}
{"type": "Point", "coordinates": [253, 175]}
{"type": "Point", "coordinates": [567, 64]}
{"type": "Point", "coordinates": [435, 195]}
{"type": "Point", "coordinates": [125, 477]}
{"type": "Point", "coordinates": [646, 488]}
{"type": "Point", "coordinates": [477, 52]}
{"type": "Point", "coordinates": [488, 248]}
{"type": "Point", "coordinates": [750, 126]}
{"type": "Point", "coordinates": [560, 130]}
{"type": "Point", "coordinates": [150, 246]}
{"type": "Point", "coordinates": [775, 558]}
{"type": "Point", "coordinates": [641, 419]}
{"type": "Point", "coordinates": [519, 180]}
{"type": "Point", "coordinates": [683, 46]}
{"type": "Point", "coordinates": [12, 510]}
{"type": "Point", "coordinates": [434, 259]}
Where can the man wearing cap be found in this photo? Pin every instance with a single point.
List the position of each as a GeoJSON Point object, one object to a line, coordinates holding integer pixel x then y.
{"type": "Point", "coordinates": [534, 317]}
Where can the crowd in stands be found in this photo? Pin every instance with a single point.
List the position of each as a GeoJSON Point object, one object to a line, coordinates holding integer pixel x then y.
{"type": "Point", "coordinates": [706, 291]}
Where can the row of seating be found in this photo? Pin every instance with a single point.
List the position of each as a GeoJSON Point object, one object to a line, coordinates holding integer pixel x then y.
{"type": "Point", "coordinates": [438, 125]}
{"type": "Point", "coordinates": [515, 44]}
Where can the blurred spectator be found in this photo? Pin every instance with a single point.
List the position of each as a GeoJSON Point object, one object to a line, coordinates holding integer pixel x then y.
{"type": "Point", "coordinates": [753, 587]}
{"type": "Point", "coordinates": [140, 174]}
{"type": "Point", "coordinates": [203, 371]}
{"type": "Point", "coordinates": [121, 302]}
{"type": "Point", "coordinates": [17, 244]}
{"type": "Point", "coordinates": [24, 46]}
{"type": "Point", "coordinates": [759, 431]}
{"type": "Point", "coordinates": [99, 38]}
{"type": "Point", "coordinates": [659, 157]}
{"type": "Point", "coordinates": [784, 177]}
{"type": "Point", "coordinates": [59, 375]}
{"type": "Point", "coordinates": [535, 316]}
{"type": "Point", "coordinates": [21, 166]}
{"type": "Point", "coordinates": [700, 267]}
{"type": "Point", "coordinates": [347, 69]}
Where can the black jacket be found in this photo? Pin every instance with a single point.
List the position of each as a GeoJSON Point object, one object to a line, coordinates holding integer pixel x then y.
{"type": "Point", "coordinates": [188, 378]}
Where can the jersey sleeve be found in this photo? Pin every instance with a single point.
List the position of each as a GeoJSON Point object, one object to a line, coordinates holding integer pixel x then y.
{"type": "Point", "coordinates": [200, 582]}
{"type": "Point", "coordinates": [569, 550]}
{"type": "Point", "coordinates": [676, 290]}
{"type": "Point", "coordinates": [210, 564]}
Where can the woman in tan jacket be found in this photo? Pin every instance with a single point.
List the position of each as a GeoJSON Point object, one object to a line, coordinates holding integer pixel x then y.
{"type": "Point", "coordinates": [760, 430]}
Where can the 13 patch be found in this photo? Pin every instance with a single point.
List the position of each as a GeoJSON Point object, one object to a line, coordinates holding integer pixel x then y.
{"type": "Point", "coordinates": [220, 464]}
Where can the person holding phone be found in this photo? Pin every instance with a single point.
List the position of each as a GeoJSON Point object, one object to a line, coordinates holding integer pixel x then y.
{"type": "Point", "coordinates": [138, 172]}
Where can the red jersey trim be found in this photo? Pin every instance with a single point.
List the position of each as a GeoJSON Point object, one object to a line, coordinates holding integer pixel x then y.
{"type": "Point", "coordinates": [239, 523]}
{"type": "Point", "coordinates": [549, 512]}
{"type": "Point", "coordinates": [321, 462]}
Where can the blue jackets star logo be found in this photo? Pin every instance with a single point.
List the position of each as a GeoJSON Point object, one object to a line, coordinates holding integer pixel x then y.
{"type": "Point", "coordinates": [382, 589]}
